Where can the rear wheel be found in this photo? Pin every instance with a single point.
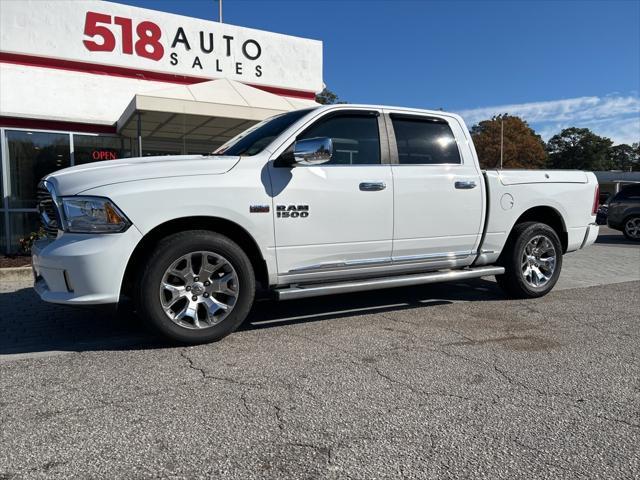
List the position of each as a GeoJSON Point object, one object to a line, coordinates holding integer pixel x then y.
{"type": "Point", "coordinates": [197, 287]}
{"type": "Point", "coordinates": [631, 228]}
{"type": "Point", "coordinates": [532, 260]}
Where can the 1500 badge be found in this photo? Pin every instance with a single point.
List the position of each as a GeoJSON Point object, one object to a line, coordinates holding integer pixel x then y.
{"type": "Point", "coordinates": [292, 211]}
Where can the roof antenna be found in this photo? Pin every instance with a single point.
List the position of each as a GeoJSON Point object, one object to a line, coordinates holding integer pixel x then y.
{"type": "Point", "coordinates": [220, 11]}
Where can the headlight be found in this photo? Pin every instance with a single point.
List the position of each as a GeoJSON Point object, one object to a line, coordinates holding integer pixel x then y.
{"type": "Point", "coordinates": [93, 215]}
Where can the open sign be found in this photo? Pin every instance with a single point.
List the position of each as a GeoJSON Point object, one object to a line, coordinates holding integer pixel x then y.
{"type": "Point", "coordinates": [103, 155]}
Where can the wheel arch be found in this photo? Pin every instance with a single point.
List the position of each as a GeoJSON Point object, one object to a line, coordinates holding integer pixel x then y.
{"type": "Point", "coordinates": [215, 224]}
{"type": "Point", "coordinates": [629, 213]}
{"type": "Point", "coordinates": [547, 215]}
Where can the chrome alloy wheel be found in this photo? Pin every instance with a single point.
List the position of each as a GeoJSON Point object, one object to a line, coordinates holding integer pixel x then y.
{"type": "Point", "coordinates": [538, 261]}
{"type": "Point", "coordinates": [199, 290]}
{"type": "Point", "coordinates": [632, 227]}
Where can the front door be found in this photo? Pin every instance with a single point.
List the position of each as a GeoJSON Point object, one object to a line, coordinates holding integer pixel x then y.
{"type": "Point", "coordinates": [338, 215]}
{"type": "Point", "coordinates": [438, 191]}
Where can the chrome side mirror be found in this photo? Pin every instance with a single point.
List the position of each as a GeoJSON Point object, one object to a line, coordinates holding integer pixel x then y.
{"type": "Point", "coordinates": [313, 151]}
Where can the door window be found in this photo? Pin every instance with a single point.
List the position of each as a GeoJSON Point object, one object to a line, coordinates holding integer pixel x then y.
{"type": "Point", "coordinates": [356, 138]}
{"type": "Point", "coordinates": [424, 141]}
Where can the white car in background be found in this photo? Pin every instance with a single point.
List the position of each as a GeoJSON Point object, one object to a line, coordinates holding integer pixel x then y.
{"type": "Point", "coordinates": [313, 202]}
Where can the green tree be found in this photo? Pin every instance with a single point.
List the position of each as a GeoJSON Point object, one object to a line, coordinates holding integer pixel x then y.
{"type": "Point", "coordinates": [327, 97]}
{"type": "Point", "coordinates": [579, 148]}
{"type": "Point", "coordinates": [523, 147]}
{"type": "Point", "coordinates": [625, 157]}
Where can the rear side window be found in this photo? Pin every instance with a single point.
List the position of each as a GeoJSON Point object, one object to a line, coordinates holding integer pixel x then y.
{"type": "Point", "coordinates": [356, 138]}
{"type": "Point", "coordinates": [628, 193]}
{"type": "Point", "coordinates": [424, 141]}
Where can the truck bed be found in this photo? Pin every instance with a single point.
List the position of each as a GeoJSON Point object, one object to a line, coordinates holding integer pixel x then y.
{"type": "Point", "coordinates": [510, 194]}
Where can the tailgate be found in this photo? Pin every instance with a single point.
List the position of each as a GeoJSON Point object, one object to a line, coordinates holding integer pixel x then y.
{"type": "Point", "coordinates": [518, 177]}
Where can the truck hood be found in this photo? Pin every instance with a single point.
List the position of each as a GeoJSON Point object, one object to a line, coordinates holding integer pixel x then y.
{"type": "Point", "coordinates": [75, 180]}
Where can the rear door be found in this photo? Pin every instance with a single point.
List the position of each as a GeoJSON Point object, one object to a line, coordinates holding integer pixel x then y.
{"type": "Point", "coordinates": [438, 190]}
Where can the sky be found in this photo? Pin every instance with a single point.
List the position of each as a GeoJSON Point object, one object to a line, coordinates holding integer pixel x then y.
{"type": "Point", "coordinates": [555, 63]}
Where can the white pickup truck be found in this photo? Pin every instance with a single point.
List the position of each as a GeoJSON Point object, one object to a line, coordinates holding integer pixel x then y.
{"type": "Point", "coordinates": [312, 202]}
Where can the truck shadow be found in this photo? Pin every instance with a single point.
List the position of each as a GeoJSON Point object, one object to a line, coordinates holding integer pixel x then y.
{"type": "Point", "coordinates": [29, 326]}
{"type": "Point", "coordinates": [615, 239]}
{"type": "Point", "coordinates": [268, 314]}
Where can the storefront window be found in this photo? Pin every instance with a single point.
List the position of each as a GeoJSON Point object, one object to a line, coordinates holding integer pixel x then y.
{"type": "Point", "coordinates": [21, 224]}
{"type": "Point", "coordinates": [32, 155]}
{"type": "Point", "coordinates": [94, 148]}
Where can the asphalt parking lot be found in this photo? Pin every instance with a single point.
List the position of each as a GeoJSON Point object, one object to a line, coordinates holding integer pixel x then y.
{"type": "Point", "coordinates": [441, 381]}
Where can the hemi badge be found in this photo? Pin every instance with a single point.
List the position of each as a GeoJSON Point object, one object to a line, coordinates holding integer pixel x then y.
{"type": "Point", "coordinates": [259, 209]}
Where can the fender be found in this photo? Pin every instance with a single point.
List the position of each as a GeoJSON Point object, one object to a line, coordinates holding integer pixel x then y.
{"type": "Point", "coordinates": [150, 203]}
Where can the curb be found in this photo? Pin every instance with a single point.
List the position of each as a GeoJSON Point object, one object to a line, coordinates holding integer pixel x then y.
{"type": "Point", "coordinates": [16, 273]}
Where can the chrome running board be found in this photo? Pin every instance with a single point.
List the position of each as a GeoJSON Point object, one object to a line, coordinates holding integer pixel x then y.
{"type": "Point", "coordinates": [317, 290]}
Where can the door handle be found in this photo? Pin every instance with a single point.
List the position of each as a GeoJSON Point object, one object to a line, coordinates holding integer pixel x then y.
{"type": "Point", "coordinates": [372, 186]}
{"type": "Point", "coordinates": [465, 185]}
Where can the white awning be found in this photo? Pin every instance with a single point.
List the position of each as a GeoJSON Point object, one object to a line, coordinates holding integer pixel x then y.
{"type": "Point", "coordinates": [212, 111]}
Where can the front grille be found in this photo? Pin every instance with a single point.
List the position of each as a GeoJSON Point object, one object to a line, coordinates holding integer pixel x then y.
{"type": "Point", "coordinates": [48, 211]}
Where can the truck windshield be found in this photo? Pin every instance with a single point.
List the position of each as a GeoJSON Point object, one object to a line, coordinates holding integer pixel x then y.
{"type": "Point", "coordinates": [253, 140]}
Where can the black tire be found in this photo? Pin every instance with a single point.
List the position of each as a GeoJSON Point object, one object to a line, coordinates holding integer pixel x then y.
{"type": "Point", "coordinates": [513, 282]}
{"type": "Point", "coordinates": [164, 255]}
{"type": "Point", "coordinates": [627, 235]}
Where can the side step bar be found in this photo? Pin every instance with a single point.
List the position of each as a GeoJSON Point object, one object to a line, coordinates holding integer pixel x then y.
{"type": "Point", "coordinates": [317, 290]}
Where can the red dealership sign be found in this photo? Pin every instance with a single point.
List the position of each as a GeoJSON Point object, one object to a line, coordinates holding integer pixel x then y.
{"type": "Point", "coordinates": [102, 33]}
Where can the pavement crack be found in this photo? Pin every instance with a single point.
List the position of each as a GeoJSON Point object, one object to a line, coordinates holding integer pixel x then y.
{"type": "Point", "coordinates": [192, 365]}
{"type": "Point", "coordinates": [243, 399]}
{"type": "Point", "coordinates": [618, 420]}
{"type": "Point", "coordinates": [278, 417]}
{"type": "Point", "coordinates": [208, 376]}
{"type": "Point", "coordinates": [415, 390]}
{"type": "Point", "coordinates": [456, 332]}
{"type": "Point", "coordinates": [513, 382]}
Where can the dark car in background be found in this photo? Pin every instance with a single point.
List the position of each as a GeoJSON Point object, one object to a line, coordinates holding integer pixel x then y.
{"type": "Point", "coordinates": [623, 212]}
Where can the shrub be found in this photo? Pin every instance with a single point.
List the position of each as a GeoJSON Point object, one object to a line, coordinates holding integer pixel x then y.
{"type": "Point", "coordinates": [27, 242]}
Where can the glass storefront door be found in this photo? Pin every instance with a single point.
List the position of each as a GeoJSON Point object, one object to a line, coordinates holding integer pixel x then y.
{"type": "Point", "coordinates": [32, 155]}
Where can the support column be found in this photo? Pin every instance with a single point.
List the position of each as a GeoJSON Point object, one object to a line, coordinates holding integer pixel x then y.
{"type": "Point", "coordinates": [139, 134]}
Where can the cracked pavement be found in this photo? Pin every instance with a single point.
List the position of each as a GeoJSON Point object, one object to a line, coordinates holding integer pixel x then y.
{"type": "Point", "coordinates": [440, 381]}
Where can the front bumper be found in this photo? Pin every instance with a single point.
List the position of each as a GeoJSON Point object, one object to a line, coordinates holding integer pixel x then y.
{"type": "Point", "coordinates": [82, 269]}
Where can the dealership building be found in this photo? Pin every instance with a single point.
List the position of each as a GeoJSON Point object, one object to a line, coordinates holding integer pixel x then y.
{"type": "Point", "coordinates": [94, 81]}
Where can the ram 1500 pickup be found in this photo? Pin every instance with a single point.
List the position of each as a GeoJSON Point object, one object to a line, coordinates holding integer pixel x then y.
{"type": "Point", "coordinates": [319, 201]}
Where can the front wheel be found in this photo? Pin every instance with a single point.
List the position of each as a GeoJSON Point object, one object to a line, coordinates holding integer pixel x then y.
{"type": "Point", "coordinates": [632, 228]}
{"type": "Point", "coordinates": [532, 260]}
{"type": "Point", "coordinates": [196, 287]}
